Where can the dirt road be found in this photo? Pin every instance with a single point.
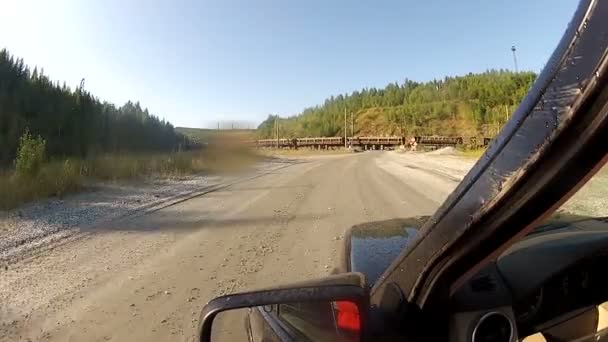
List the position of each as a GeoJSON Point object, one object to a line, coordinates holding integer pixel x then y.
{"type": "Point", "coordinates": [147, 278]}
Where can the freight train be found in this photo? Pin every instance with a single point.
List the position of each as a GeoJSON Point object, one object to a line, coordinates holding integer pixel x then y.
{"type": "Point", "coordinates": [373, 143]}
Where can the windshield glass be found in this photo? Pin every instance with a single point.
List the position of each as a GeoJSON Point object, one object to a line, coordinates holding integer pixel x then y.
{"type": "Point", "coordinates": [157, 154]}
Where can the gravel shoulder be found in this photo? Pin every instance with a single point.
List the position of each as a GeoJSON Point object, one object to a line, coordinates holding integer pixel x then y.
{"type": "Point", "coordinates": [43, 224]}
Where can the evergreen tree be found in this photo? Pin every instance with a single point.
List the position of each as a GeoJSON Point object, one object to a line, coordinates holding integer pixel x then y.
{"type": "Point", "coordinates": [470, 105]}
{"type": "Point", "coordinates": [73, 123]}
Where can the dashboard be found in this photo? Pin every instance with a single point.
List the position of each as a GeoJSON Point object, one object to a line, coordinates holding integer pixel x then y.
{"type": "Point", "coordinates": [547, 279]}
{"type": "Point", "coordinates": [582, 285]}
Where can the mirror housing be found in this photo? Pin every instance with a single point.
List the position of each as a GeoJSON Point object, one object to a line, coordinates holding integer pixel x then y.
{"type": "Point", "coordinates": [341, 287]}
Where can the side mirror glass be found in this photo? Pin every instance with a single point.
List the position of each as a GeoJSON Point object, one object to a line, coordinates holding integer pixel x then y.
{"type": "Point", "coordinates": [335, 308]}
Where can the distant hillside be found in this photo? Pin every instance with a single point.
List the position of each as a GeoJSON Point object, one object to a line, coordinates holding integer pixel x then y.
{"type": "Point", "coordinates": [470, 105]}
{"type": "Point", "coordinates": [205, 135]}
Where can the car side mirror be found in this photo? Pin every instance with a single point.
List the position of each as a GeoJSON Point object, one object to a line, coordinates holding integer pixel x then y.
{"type": "Point", "coordinates": [334, 308]}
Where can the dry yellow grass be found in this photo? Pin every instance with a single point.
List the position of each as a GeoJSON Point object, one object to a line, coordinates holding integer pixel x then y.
{"type": "Point", "coordinates": [53, 179]}
{"type": "Point", "coordinates": [58, 178]}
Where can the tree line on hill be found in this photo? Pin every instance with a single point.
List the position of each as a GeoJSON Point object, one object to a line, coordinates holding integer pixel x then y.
{"type": "Point", "coordinates": [73, 123]}
{"type": "Point", "coordinates": [470, 105]}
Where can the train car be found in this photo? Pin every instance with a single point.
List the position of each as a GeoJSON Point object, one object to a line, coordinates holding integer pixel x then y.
{"type": "Point", "coordinates": [333, 141]}
{"type": "Point", "coordinates": [438, 141]}
{"type": "Point", "coordinates": [353, 141]}
{"type": "Point", "coordinates": [280, 143]}
{"type": "Point", "coordinates": [391, 141]}
{"type": "Point", "coordinates": [367, 142]}
{"type": "Point", "coordinates": [305, 142]}
{"type": "Point", "coordinates": [265, 142]}
{"type": "Point", "coordinates": [320, 142]}
{"type": "Point", "coordinates": [380, 143]}
{"type": "Point", "coordinates": [287, 143]}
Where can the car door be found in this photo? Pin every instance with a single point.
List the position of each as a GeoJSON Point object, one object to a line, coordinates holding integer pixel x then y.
{"type": "Point", "coordinates": [553, 143]}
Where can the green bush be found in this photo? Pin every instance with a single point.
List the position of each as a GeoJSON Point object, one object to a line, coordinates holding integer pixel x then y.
{"type": "Point", "coordinates": [30, 155]}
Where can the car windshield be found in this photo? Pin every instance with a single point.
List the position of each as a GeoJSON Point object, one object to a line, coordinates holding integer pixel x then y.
{"type": "Point", "coordinates": [155, 155]}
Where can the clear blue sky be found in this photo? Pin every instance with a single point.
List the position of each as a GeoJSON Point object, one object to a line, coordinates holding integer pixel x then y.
{"type": "Point", "coordinates": [196, 62]}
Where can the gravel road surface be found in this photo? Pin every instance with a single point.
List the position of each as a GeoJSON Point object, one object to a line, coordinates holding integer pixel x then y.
{"type": "Point", "coordinates": [146, 277]}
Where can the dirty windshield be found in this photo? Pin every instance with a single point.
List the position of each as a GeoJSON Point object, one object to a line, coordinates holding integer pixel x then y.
{"type": "Point", "coordinates": [155, 155]}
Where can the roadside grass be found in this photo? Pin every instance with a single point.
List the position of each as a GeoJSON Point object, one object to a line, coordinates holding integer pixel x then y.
{"type": "Point", "coordinates": [60, 177]}
{"type": "Point", "coordinates": [53, 179]}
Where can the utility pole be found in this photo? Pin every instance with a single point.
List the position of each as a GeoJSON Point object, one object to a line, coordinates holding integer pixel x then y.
{"type": "Point", "coordinates": [352, 125]}
{"type": "Point", "coordinates": [513, 49]}
{"type": "Point", "coordinates": [345, 127]}
{"type": "Point", "coordinates": [276, 129]}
